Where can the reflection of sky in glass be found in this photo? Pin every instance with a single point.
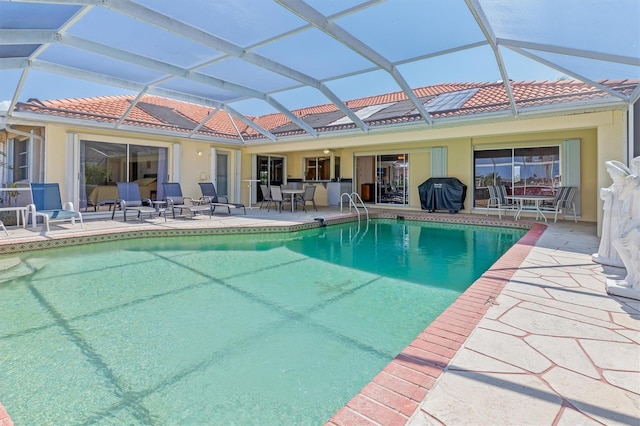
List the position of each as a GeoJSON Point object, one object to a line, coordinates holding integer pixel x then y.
{"type": "Point", "coordinates": [531, 169]}
{"type": "Point", "coordinates": [501, 166]}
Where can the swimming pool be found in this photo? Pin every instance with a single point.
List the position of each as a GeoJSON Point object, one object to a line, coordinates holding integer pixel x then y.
{"type": "Point", "coordinates": [233, 329]}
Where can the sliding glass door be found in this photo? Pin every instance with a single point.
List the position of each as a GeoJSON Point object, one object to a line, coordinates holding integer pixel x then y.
{"type": "Point", "coordinates": [383, 179]}
{"type": "Point", "coordinates": [270, 172]}
{"type": "Point", "coordinates": [102, 164]}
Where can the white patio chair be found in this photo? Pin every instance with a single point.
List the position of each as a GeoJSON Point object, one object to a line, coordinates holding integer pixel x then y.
{"type": "Point", "coordinates": [562, 202]}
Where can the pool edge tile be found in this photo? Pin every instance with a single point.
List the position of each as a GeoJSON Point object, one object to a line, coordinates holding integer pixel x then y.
{"type": "Point", "coordinates": [481, 294]}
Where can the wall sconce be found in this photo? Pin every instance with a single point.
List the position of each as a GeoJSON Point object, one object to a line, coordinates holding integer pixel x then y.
{"type": "Point", "coordinates": [199, 153]}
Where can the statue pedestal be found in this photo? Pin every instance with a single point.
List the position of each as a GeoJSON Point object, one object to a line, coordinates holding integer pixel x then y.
{"type": "Point", "coordinates": [617, 288]}
{"type": "Point", "coordinates": [607, 260]}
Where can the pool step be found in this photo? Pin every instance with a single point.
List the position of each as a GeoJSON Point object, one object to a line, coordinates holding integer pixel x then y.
{"type": "Point", "coordinates": [13, 267]}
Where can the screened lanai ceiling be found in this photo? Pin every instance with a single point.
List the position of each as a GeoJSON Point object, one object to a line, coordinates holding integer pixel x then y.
{"type": "Point", "coordinates": [252, 58]}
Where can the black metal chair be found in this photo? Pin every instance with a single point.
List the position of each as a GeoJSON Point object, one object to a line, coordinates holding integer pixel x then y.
{"type": "Point", "coordinates": [176, 201]}
{"type": "Point", "coordinates": [210, 196]}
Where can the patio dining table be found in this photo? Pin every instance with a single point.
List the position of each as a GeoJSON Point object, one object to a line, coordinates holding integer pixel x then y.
{"type": "Point", "coordinates": [535, 200]}
{"type": "Point", "coordinates": [293, 193]}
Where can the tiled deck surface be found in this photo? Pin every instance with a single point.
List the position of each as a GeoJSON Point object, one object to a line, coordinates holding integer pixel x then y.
{"type": "Point", "coordinates": [536, 340]}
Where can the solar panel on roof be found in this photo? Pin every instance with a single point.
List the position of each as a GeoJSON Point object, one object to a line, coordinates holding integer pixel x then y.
{"type": "Point", "coordinates": [362, 113]}
{"type": "Point", "coordinates": [449, 101]}
{"type": "Point", "coordinates": [167, 115]}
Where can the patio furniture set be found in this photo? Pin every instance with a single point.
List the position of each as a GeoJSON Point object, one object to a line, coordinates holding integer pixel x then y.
{"type": "Point", "coordinates": [280, 194]}
{"type": "Point", "coordinates": [562, 201]}
{"type": "Point", "coordinates": [44, 202]}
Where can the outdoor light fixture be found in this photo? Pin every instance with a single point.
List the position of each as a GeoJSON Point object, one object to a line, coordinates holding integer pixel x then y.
{"type": "Point", "coordinates": [199, 153]}
{"type": "Point", "coordinates": [326, 151]}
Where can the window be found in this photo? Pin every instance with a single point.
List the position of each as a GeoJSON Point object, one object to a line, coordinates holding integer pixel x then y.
{"type": "Point", "coordinates": [530, 171]}
{"type": "Point", "coordinates": [222, 174]}
{"type": "Point", "coordinates": [319, 168]}
{"type": "Point", "coordinates": [23, 158]}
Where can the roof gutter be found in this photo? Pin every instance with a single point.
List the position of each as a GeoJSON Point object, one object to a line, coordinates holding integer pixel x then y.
{"type": "Point", "coordinates": [33, 117]}
{"type": "Point", "coordinates": [480, 118]}
{"type": "Point", "coordinates": [483, 118]}
{"type": "Point", "coordinates": [21, 133]}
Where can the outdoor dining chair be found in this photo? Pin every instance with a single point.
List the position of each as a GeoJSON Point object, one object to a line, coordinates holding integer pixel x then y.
{"type": "Point", "coordinates": [276, 197]}
{"type": "Point", "coordinates": [498, 199]}
{"type": "Point", "coordinates": [307, 196]}
{"type": "Point", "coordinates": [562, 202]}
{"type": "Point", "coordinates": [266, 195]}
{"type": "Point", "coordinates": [47, 204]}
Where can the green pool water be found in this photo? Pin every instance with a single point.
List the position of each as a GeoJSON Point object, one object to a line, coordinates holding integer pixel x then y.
{"type": "Point", "coordinates": [265, 329]}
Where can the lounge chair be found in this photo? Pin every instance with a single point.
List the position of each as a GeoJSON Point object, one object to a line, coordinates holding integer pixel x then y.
{"type": "Point", "coordinates": [210, 197]}
{"type": "Point", "coordinates": [176, 201]}
{"type": "Point", "coordinates": [47, 204]}
{"type": "Point", "coordinates": [3, 228]}
{"type": "Point", "coordinates": [129, 198]}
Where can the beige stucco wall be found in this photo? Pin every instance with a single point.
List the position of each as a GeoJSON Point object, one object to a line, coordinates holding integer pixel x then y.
{"type": "Point", "coordinates": [192, 166]}
{"type": "Point", "coordinates": [602, 136]}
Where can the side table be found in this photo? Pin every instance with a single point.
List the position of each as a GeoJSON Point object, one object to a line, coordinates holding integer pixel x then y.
{"type": "Point", "coordinates": [161, 208]}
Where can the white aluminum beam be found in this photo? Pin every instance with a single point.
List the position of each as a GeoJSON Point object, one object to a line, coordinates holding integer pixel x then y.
{"type": "Point", "coordinates": [319, 21]}
{"type": "Point", "coordinates": [485, 27]}
{"type": "Point", "coordinates": [175, 71]}
{"type": "Point", "coordinates": [137, 87]}
{"type": "Point", "coordinates": [204, 121]}
{"type": "Point", "coordinates": [132, 105]}
{"type": "Point", "coordinates": [27, 36]}
{"type": "Point", "coordinates": [183, 30]}
{"type": "Point", "coordinates": [589, 54]}
{"type": "Point", "coordinates": [569, 72]}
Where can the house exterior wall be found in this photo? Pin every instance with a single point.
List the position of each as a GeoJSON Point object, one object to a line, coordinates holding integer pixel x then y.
{"type": "Point", "coordinates": [602, 134]}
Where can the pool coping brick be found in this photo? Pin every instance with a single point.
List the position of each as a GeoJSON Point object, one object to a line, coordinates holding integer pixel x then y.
{"type": "Point", "coordinates": [425, 359]}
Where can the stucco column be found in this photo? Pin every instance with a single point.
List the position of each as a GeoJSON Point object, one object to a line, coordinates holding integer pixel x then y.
{"type": "Point", "coordinates": [611, 146]}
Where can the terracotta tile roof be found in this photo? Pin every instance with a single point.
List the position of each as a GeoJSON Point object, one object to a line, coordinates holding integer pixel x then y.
{"type": "Point", "coordinates": [168, 114]}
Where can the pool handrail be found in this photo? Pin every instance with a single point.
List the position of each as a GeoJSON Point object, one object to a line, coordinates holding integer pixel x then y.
{"type": "Point", "coordinates": [352, 198]}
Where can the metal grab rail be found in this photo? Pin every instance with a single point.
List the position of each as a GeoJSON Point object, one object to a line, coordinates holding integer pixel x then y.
{"type": "Point", "coordinates": [353, 197]}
